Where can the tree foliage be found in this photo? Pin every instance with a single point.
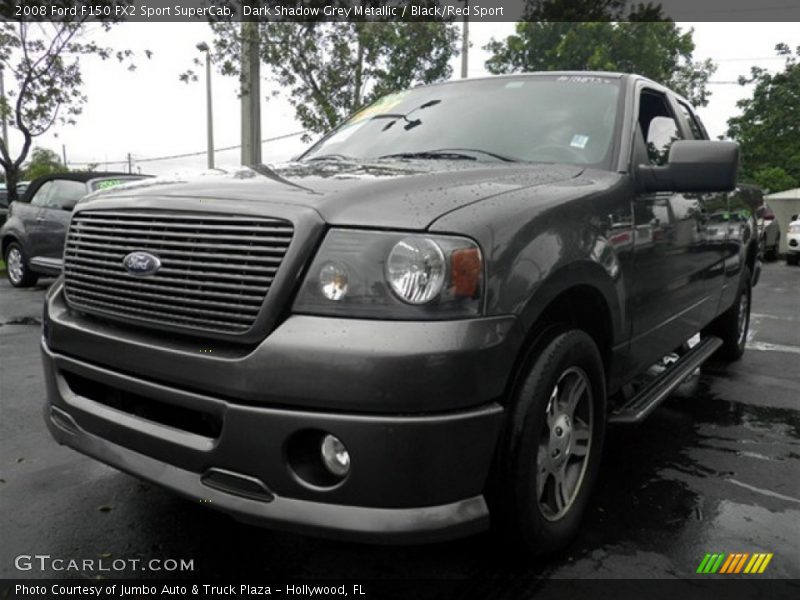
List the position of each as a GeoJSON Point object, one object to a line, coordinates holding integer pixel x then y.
{"type": "Point", "coordinates": [329, 70]}
{"type": "Point", "coordinates": [768, 128]}
{"type": "Point", "coordinates": [45, 87]}
{"type": "Point", "coordinates": [42, 162]}
{"type": "Point", "coordinates": [646, 44]}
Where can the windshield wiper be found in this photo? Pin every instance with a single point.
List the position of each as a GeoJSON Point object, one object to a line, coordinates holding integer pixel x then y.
{"type": "Point", "coordinates": [450, 154]}
{"type": "Point", "coordinates": [502, 157]}
{"type": "Point", "coordinates": [331, 157]}
{"type": "Point", "coordinates": [430, 155]}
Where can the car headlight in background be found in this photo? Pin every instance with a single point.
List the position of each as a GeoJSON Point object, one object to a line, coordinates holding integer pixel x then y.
{"type": "Point", "coordinates": [794, 228]}
{"type": "Point", "coordinates": [377, 274]}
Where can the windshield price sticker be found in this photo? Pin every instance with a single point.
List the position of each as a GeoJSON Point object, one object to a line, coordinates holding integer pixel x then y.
{"type": "Point", "coordinates": [582, 79]}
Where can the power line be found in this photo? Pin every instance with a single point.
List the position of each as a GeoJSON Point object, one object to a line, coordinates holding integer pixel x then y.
{"type": "Point", "coordinates": [186, 154]}
{"type": "Point", "coordinates": [750, 58]}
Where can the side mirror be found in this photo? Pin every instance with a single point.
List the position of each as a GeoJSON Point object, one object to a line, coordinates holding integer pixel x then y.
{"type": "Point", "coordinates": [794, 217]}
{"type": "Point", "coordinates": [694, 166]}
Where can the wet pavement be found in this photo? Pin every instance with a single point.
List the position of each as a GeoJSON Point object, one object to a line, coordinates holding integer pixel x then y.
{"type": "Point", "coordinates": [715, 469]}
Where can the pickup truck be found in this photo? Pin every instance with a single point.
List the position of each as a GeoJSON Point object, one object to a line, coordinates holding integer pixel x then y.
{"type": "Point", "coordinates": [419, 328]}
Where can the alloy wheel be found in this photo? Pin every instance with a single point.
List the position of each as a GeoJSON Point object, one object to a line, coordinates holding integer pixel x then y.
{"type": "Point", "coordinates": [14, 265]}
{"type": "Point", "coordinates": [565, 443]}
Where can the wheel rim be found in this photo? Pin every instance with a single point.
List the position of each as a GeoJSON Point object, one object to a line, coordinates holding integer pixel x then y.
{"type": "Point", "coordinates": [744, 305]}
{"type": "Point", "coordinates": [14, 265]}
{"type": "Point", "coordinates": [565, 444]}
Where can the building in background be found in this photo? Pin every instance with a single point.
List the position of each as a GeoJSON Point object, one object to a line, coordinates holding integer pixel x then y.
{"type": "Point", "coordinates": [784, 205]}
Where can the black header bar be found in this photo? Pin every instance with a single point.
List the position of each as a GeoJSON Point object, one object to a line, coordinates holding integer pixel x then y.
{"type": "Point", "coordinates": [399, 10]}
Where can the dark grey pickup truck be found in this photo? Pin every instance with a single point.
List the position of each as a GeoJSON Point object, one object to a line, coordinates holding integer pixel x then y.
{"type": "Point", "coordinates": [425, 321]}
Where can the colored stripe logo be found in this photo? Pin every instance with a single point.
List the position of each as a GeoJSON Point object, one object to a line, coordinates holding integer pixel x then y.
{"type": "Point", "coordinates": [734, 563]}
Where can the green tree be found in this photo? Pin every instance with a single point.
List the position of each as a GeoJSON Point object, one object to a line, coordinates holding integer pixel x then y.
{"type": "Point", "coordinates": [45, 84]}
{"type": "Point", "coordinates": [330, 70]}
{"type": "Point", "coordinates": [42, 162]}
{"type": "Point", "coordinates": [768, 128]}
{"type": "Point", "coordinates": [645, 44]}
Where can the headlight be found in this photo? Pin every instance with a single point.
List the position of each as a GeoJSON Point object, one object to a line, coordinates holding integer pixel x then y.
{"type": "Point", "coordinates": [416, 269]}
{"type": "Point", "coordinates": [794, 228]}
{"type": "Point", "coordinates": [377, 274]}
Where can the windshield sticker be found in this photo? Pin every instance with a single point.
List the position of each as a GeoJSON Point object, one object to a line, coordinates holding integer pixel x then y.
{"type": "Point", "coordinates": [383, 105]}
{"type": "Point", "coordinates": [579, 141]}
{"type": "Point", "coordinates": [107, 183]}
{"type": "Point", "coordinates": [583, 79]}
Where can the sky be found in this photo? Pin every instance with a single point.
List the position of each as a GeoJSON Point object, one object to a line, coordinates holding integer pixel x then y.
{"type": "Point", "coordinates": [150, 113]}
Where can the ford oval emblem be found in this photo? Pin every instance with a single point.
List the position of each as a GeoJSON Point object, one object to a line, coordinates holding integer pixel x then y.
{"type": "Point", "coordinates": [141, 264]}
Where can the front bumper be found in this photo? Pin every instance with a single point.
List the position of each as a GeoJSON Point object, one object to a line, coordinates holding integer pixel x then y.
{"type": "Point", "coordinates": [414, 477]}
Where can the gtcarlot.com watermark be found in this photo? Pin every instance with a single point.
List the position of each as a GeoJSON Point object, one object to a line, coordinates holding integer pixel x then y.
{"type": "Point", "coordinates": [47, 563]}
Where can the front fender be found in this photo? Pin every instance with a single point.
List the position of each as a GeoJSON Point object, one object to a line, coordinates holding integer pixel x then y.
{"type": "Point", "coordinates": [585, 275]}
{"type": "Point", "coordinates": [12, 229]}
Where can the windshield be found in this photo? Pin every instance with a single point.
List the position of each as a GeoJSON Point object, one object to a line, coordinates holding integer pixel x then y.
{"type": "Point", "coordinates": [552, 118]}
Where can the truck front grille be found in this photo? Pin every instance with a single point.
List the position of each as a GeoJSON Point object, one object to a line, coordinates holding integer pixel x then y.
{"type": "Point", "coordinates": [215, 269]}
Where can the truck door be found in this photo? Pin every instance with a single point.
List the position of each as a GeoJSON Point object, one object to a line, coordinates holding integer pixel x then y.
{"type": "Point", "coordinates": [731, 222]}
{"type": "Point", "coordinates": [675, 263]}
{"type": "Point", "coordinates": [31, 215]}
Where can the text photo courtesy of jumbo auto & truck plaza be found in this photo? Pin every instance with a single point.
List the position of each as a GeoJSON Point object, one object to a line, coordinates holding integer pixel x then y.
{"type": "Point", "coordinates": [430, 299]}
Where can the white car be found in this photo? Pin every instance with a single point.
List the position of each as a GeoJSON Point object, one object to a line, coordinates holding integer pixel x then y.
{"type": "Point", "coordinates": [793, 241]}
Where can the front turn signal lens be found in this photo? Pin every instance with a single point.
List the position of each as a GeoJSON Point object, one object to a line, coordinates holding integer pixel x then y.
{"type": "Point", "coordinates": [466, 269]}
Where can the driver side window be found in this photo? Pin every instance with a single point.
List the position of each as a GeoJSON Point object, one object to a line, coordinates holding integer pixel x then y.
{"type": "Point", "coordinates": [42, 195]}
{"type": "Point", "coordinates": [658, 126]}
{"type": "Point", "coordinates": [66, 194]}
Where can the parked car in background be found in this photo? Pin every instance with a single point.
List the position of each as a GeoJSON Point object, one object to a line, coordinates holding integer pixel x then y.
{"type": "Point", "coordinates": [769, 231]}
{"type": "Point", "coordinates": [32, 238]}
{"type": "Point", "coordinates": [793, 241]}
{"type": "Point", "coordinates": [21, 187]}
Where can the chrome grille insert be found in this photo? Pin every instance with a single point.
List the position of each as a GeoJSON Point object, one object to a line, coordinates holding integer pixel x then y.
{"type": "Point", "coordinates": [215, 270]}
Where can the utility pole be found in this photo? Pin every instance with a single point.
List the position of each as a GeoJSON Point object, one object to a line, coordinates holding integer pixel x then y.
{"type": "Point", "coordinates": [251, 95]}
{"type": "Point", "coordinates": [64, 154]}
{"type": "Point", "coordinates": [203, 47]}
{"type": "Point", "coordinates": [465, 42]}
{"type": "Point", "coordinates": [130, 164]}
{"type": "Point", "coordinates": [5, 124]}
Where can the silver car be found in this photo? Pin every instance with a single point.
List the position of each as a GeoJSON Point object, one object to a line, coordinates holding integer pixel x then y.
{"type": "Point", "coordinates": [32, 238]}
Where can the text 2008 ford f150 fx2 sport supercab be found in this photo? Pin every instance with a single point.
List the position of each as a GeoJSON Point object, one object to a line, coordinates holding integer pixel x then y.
{"type": "Point", "coordinates": [425, 320]}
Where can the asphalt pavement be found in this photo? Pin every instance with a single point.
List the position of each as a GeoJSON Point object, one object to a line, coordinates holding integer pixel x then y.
{"type": "Point", "coordinates": [715, 469]}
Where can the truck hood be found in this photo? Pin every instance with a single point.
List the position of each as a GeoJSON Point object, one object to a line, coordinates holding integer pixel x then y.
{"type": "Point", "coordinates": [401, 194]}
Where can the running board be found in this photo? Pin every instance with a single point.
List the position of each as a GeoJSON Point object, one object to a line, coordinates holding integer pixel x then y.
{"type": "Point", "coordinates": [646, 401]}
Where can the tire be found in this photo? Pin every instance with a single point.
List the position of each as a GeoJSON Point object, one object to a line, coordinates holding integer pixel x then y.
{"type": "Point", "coordinates": [771, 253]}
{"type": "Point", "coordinates": [791, 258]}
{"type": "Point", "coordinates": [17, 269]}
{"type": "Point", "coordinates": [732, 325]}
{"type": "Point", "coordinates": [548, 461]}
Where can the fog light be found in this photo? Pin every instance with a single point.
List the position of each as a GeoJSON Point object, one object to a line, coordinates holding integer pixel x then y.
{"type": "Point", "coordinates": [335, 456]}
{"type": "Point", "coordinates": [333, 281]}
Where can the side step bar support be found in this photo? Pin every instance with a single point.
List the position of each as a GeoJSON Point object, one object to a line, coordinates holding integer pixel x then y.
{"type": "Point", "coordinates": [653, 393]}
